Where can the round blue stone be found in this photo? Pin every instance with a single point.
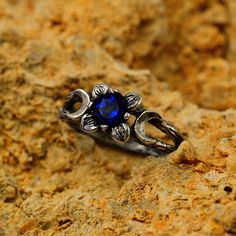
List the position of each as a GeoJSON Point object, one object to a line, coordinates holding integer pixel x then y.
{"type": "Point", "coordinates": [109, 109]}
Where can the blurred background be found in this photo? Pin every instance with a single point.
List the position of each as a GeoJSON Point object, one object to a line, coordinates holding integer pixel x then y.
{"type": "Point", "coordinates": [188, 44]}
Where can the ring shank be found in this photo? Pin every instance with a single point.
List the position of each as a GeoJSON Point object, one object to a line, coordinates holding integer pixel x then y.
{"type": "Point", "coordinates": [132, 145]}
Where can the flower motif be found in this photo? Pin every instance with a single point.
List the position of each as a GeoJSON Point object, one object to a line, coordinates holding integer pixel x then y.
{"type": "Point", "coordinates": [109, 111]}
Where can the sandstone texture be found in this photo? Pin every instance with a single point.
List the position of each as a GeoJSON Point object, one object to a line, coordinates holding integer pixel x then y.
{"type": "Point", "coordinates": [180, 56]}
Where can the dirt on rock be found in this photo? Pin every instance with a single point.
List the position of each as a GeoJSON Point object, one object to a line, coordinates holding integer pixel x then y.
{"type": "Point", "coordinates": [180, 56]}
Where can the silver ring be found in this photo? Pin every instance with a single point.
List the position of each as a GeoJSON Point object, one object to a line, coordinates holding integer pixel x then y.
{"type": "Point", "coordinates": [104, 114]}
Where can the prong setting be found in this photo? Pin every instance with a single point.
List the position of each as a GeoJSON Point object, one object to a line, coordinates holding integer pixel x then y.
{"type": "Point", "coordinates": [105, 109]}
{"type": "Point", "coordinates": [132, 100]}
{"type": "Point", "coordinates": [121, 133]}
{"type": "Point", "coordinates": [99, 89]}
{"type": "Point", "coordinates": [104, 127]}
{"type": "Point", "coordinates": [127, 115]}
{"type": "Point", "coordinates": [110, 90]}
{"type": "Point", "coordinates": [88, 124]}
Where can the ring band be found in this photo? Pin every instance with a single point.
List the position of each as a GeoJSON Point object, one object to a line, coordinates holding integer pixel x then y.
{"type": "Point", "coordinates": [104, 114]}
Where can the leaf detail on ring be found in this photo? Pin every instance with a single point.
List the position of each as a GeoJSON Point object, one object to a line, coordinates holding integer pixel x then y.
{"type": "Point", "coordinates": [88, 124]}
{"type": "Point", "coordinates": [121, 133]}
{"type": "Point", "coordinates": [132, 100]}
{"type": "Point", "coordinates": [99, 89]}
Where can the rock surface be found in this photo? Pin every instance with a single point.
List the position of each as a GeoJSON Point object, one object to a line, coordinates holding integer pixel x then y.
{"type": "Point", "coordinates": [179, 56]}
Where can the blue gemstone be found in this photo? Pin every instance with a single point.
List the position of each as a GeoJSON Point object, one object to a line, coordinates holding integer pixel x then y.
{"type": "Point", "coordinates": [109, 109]}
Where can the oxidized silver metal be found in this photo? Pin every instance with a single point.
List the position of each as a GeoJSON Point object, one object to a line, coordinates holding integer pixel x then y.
{"type": "Point", "coordinates": [133, 137]}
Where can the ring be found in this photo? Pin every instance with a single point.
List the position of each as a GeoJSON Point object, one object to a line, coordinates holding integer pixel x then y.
{"type": "Point", "coordinates": [104, 113]}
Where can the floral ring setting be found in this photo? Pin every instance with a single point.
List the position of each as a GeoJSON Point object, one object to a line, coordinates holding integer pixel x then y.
{"type": "Point", "coordinates": [103, 114]}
